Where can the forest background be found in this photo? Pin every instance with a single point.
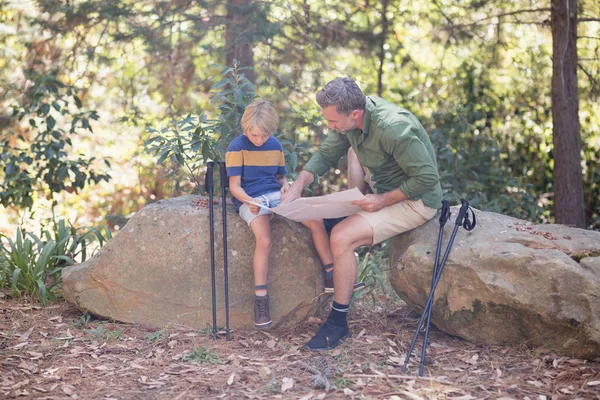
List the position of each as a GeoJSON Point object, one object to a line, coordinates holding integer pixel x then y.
{"type": "Point", "coordinates": [110, 105]}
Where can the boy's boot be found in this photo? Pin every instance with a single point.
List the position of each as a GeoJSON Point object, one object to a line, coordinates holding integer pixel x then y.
{"type": "Point", "coordinates": [262, 317]}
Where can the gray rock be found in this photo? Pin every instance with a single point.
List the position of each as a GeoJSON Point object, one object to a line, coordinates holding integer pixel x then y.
{"type": "Point", "coordinates": [507, 282]}
{"type": "Point", "coordinates": [156, 270]}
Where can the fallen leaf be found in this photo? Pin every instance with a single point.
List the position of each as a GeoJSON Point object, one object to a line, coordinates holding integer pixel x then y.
{"type": "Point", "coordinates": [264, 372]}
{"type": "Point", "coordinates": [19, 384]}
{"type": "Point", "coordinates": [271, 344]}
{"type": "Point", "coordinates": [25, 335]}
{"type": "Point", "coordinates": [230, 380]}
{"type": "Point", "coordinates": [288, 383]}
{"type": "Point", "coordinates": [593, 383]}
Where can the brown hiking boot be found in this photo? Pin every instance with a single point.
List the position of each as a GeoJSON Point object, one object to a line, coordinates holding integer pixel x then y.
{"type": "Point", "coordinates": [262, 317]}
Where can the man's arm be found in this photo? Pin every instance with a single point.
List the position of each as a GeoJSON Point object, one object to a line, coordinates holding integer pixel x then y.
{"type": "Point", "coordinates": [283, 183]}
{"type": "Point", "coordinates": [304, 179]}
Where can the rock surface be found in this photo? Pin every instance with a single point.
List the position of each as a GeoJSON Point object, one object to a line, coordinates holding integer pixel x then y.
{"type": "Point", "coordinates": [507, 282]}
{"type": "Point", "coordinates": [156, 270]}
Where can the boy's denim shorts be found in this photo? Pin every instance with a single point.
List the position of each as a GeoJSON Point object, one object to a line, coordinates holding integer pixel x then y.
{"type": "Point", "coordinates": [271, 199]}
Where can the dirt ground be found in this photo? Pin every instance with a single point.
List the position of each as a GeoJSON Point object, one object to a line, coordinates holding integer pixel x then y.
{"type": "Point", "coordinates": [57, 352]}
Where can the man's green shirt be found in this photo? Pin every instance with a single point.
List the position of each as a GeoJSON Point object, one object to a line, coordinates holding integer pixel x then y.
{"type": "Point", "coordinates": [394, 147]}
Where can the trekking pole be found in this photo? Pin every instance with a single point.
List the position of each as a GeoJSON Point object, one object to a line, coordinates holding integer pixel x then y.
{"type": "Point", "coordinates": [444, 216]}
{"type": "Point", "coordinates": [209, 186]}
{"type": "Point", "coordinates": [461, 219]}
{"type": "Point", "coordinates": [224, 186]}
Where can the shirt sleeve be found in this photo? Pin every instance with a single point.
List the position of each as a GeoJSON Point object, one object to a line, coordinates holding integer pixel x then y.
{"type": "Point", "coordinates": [412, 156]}
{"type": "Point", "coordinates": [334, 147]}
{"type": "Point", "coordinates": [234, 160]}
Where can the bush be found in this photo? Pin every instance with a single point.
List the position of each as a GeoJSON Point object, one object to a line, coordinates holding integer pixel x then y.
{"type": "Point", "coordinates": [31, 265]}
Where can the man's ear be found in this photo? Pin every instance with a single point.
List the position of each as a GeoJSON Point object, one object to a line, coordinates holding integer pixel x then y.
{"type": "Point", "coordinates": [354, 114]}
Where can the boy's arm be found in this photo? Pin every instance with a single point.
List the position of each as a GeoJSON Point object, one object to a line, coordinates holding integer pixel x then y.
{"type": "Point", "coordinates": [235, 187]}
{"type": "Point", "coordinates": [283, 183]}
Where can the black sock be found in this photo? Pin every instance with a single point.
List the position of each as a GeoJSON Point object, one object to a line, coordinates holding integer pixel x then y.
{"type": "Point", "coordinates": [338, 314]}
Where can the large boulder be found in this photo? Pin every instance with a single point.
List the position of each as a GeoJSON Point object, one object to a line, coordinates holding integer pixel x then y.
{"type": "Point", "coordinates": [507, 282]}
{"type": "Point", "coordinates": [156, 270]}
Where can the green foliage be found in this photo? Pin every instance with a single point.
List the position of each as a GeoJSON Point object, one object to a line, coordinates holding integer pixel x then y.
{"type": "Point", "coordinates": [372, 271]}
{"type": "Point", "coordinates": [31, 265]}
{"type": "Point", "coordinates": [189, 143]}
{"type": "Point", "coordinates": [40, 158]}
{"type": "Point", "coordinates": [155, 336]}
{"type": "Point", "coordinates": [471, 167]}
{"type": "Point", "coordinates": [202, 355]}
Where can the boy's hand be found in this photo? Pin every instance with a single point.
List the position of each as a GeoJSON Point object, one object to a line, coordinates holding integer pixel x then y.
{"type": "Point", "coordinates": [253, 205]}
{"type": "Point", "coordinates": [284, 188]}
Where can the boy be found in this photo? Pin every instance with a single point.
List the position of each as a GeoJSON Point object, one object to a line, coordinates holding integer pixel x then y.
{"type": "Point", "coordinates": [256, 169]}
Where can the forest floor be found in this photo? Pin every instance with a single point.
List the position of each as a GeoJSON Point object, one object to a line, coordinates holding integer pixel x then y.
{"type": "Point", "coordinates": [57, 352]}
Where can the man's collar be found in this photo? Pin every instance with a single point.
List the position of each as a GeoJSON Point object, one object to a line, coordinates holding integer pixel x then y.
{"type": "Point", "coordinates": [369, 107]}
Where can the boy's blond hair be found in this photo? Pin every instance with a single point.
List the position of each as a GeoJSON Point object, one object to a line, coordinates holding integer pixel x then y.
{"type": "Point", "coordinates": [260, 115]}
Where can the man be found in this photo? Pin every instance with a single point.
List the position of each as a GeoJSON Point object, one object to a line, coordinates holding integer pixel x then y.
{"type": "Point", "coordinates": [393, 148]}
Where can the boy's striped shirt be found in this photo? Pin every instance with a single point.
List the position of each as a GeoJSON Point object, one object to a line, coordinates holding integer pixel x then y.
{"type": "Point", "coordinates": [257, 166]}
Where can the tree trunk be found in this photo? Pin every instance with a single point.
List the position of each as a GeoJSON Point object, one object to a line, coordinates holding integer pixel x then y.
{"type": "Point", "coordinates": [384, 32]}
{"type": "Point", "coordinates": [568, 184]}
{"type": "Point", "coordinates": [239, 42]}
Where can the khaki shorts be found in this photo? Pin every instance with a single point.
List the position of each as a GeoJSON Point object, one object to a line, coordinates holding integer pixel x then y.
{"type": "Point", "coordinates": [397, 218]}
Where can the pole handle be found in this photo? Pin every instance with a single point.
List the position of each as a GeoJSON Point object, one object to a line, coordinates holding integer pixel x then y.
{"type": "Point", "coordinates": [209, 183]}
{"type": "Point", "coordinates": [445, 213]}
{"type": "Point", "coordinates": [223, 172]}
{"type": "Point", "coordinates": [463, 216]}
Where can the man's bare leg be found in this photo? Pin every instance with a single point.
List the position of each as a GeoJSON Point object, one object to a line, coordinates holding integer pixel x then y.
{"type": "Point", "coordinates": [346, 236]}
{"type": "Point", "coordinates": [356, 173]}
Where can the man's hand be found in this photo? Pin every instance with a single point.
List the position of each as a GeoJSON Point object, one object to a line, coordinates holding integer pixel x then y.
{"type": "Point", "coordinates": [295, 191]}
{"type": "Point", "coordinates": [290, 194]}
{"type": "Point", "coordinates": [371, 203]}
{"type": "Point", "coordinates": [375, 202]}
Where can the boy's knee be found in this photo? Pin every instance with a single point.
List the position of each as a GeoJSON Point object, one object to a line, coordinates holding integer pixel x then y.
{"type": "Point", "coordinates": [264, 242]}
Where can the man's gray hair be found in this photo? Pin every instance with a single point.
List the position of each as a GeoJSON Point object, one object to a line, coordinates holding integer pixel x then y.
{"type": "Point", "coordinates": [344, 94]}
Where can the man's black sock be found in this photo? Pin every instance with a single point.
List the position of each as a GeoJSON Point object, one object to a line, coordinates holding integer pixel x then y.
{"type": "Point", "coordinates": [338, 314]}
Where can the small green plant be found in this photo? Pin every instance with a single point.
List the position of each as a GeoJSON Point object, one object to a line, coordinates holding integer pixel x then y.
{"type": "Point", "coordinates": [202, 355]}
{"type": "Point", "coordinates": [341, 383]}
{"type": "Point", "coordinates": [206, 331]}
{"type": "Point", "coordinates": [82, 320]}
{"type": "Point", "coordinates": [155, 336]}
{"type": "Point", "coordinates": [101, 333]}
{"type": "Point", "coordinates": [371, 271]}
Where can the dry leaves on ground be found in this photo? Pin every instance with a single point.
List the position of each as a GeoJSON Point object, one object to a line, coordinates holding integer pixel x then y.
{"type": "Point", "coordinates": [57, 352]}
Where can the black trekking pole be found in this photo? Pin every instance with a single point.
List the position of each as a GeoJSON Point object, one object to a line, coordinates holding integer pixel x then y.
{"type": "Point", "coordinates": [461, 219]}
{"type": "Point", "coordinates": [444, 216]}
{"type": "Point", "coordinates": [224, 186]}
{"type": "Point", "coordinates": [209, 186]}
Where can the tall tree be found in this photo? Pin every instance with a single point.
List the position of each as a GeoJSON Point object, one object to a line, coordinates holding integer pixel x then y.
{"type": "Point", "coordinates": [239, 39]}
{"type": "Point", "coordinates": [568, 186]}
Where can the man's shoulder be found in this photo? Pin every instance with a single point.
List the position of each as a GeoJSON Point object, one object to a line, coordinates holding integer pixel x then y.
{"type": "Point", "coordinates": [386, 114]}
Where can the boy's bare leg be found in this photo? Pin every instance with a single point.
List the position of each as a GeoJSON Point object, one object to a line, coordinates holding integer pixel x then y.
{"type": "Point", "coordinates": [320, 240]}
{"type": "Point", "coordinates": [356, 173]}
{"type": "Point", "coordinates": [261, 228]}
